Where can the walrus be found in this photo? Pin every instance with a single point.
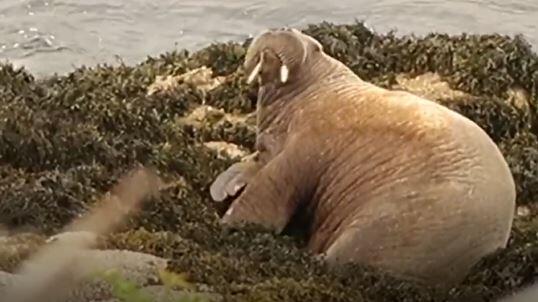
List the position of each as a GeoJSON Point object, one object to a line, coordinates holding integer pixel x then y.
{"type": "Point", "coordinates": [390, 179]}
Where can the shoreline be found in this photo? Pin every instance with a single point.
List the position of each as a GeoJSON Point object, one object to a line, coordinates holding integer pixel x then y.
{"type": "Point", "coordinates": [117, 60]}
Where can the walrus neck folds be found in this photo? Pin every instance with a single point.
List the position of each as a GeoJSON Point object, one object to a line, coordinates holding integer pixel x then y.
{"type": "Point", "coordinates": [275, 98]}
{"type": "Point", "coordinates": [270, 113]}
{"type": "Point", "coordinates": [276, 103]}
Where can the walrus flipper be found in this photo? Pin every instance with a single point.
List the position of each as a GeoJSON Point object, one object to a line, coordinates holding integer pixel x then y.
{"type": "Point", "coordinates": [274, 193]}
{"type": "Point", "coordinates": [237, 176]}
{"type": "Point", "coordinates": [233, 179]}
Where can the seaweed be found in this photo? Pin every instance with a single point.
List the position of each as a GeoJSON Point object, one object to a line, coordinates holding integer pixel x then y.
{"type": "Point", "coordinates": [65, 139]}
{"type": "Point", "coordinates": [521, 153]}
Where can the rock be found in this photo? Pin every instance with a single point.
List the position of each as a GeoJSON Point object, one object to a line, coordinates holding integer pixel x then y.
{"type": "Point", "coordinates": [526, 295]}
{"type": "Point", "coordinates": [523, 211]}
{"type": "Point", "coordinates": [226, 149]}
{"type": "Point", "coordinates": [16, 248]}
{"type": "Point", "coordinates": [83, 236]}
{"type": "Point", "coordinates": [201, 116]}
{"type": "Point", "coordinates": [200, 78]}
{"type": "Point", "coordinates": [139, 268]}
{"type": "Point", "coordinates": [7, 279]}
{"type": "Point", "coordinates": [428, 85]}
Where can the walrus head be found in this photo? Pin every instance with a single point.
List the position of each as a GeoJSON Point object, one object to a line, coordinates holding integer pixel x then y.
{"type": "Point", "coordinates": [280, 56]}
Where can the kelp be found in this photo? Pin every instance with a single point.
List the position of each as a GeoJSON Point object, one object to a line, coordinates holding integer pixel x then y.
{"type": "Point", "coordinates": [64, 140]}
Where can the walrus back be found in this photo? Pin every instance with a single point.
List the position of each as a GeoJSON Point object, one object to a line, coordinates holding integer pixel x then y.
{"type": "Point", "coordinates": [410, 186]}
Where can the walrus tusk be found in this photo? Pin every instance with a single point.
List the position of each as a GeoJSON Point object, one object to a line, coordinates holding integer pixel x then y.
{"type": "Point", "coordinates": [284, 73]}
{"type": "Point", "coordinates": [255, 71]}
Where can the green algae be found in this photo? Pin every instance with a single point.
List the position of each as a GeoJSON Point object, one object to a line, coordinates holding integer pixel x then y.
{"type": "Point", "coordinates": [66, 139]}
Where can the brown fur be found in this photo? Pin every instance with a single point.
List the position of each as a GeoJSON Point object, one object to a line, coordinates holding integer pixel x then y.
{"type": "Point", "coordinates": [393, 180]}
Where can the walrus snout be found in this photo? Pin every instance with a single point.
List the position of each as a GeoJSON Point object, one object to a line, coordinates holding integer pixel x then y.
{"type": "Point", "coordinates": [277, 55]}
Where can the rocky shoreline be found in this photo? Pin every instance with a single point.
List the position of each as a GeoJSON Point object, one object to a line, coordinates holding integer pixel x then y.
{"type": "Point", "coordinates": [65, 141]}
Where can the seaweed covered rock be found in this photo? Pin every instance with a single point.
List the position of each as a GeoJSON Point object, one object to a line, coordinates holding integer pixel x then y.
{"type": "Point", "coordinates": [105, 271]}
{"type": "Point", "coordinates": [65, 139]}
{"type": "Point", "coordinates": [14, 249]}
{"type": "Point", "coordinates": [521, 153]}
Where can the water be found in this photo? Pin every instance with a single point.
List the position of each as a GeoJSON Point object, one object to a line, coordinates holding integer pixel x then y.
{"type": "Point", "coordinates": [55, 35]}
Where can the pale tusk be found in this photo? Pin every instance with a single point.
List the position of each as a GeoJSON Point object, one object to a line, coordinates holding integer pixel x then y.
{"type": "Point", "coordinates": [254, 72]}
{"type": "Point", "coordinates": [284, 73]}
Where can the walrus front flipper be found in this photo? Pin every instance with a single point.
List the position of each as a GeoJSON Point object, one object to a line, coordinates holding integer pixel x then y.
{"type": "Point", "coordinates": [274, 193]}
{"type": "Point", "coordinates": [231, 181]}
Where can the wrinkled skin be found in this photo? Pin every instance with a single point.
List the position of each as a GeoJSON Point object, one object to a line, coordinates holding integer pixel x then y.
{"type": "Point", "coordinates": [390, 179]}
